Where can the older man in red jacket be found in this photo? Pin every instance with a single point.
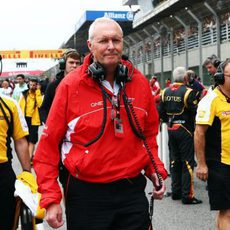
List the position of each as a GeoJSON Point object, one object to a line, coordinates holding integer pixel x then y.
{"type": "Point", "coordinates": [103, 114]}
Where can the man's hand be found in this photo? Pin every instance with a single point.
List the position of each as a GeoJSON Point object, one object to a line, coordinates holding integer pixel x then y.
{"type": "Point", "coordinates": [158, 193]}
{"type": "Point", "coordinates": [200, 142]}
{"type": "Point", "coordinates": [54, 216]}
{"type": "Point", "coordinates": [202, 172]}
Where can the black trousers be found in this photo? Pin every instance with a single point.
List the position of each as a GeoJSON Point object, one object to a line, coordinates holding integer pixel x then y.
{"type": "Point", "coordinates": [8, 202]}
{"type": "Point", "coordinates": [120, 205]}
{"type": "Point", "coordinates": [33, 131]}
{"type": "Point", "coordinates": [181, 150]}
{"type": "Point", "coordinates": [218, 185]}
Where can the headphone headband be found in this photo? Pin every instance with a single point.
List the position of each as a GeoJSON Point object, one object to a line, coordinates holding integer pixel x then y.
{"type": "Point", "coordinates": [215, 60]}
{"type": "Point", "coordinates": [68, 52]}
{"type": "Point", "coordinates": [65, 55]}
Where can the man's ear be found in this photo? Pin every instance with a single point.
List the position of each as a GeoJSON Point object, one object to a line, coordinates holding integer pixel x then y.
{"type": "Point", "coordinates": [89, 44]}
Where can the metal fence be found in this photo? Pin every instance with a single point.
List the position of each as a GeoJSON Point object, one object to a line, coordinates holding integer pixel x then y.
{"type": "Point", "coordinates": [208, 37]}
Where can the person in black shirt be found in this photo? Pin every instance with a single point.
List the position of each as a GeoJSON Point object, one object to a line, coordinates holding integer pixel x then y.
{"type": "Point", "coordinates": [194, 84]}
{"type": "Point", "coordinates": [178, 107]}
{"type": "Point", "coordinates": [71, 60]}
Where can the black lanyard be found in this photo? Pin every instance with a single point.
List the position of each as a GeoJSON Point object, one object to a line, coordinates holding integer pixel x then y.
{"type": "Point", "coordinates": [115, 112]}
{"type": "Point", "coordinates": [9, 122]}
{"type": "Point", "coordinates": [115, 102]}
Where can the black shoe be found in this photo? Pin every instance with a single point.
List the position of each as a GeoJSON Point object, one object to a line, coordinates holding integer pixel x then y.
{"type": "Point", "coordinates": [191, 201]}
{"type": "Point", "coordinates": [175, 196]}
{"type": "Point", "coordinates": [167, 194]}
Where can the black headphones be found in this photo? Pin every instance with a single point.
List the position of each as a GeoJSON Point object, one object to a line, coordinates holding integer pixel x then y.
{"type": "Point", "coordinates": [98, 73]}
{"type": "Point", "coordinates": [215, 60]}
{"type": "Point", "coordinates": [219, 75]}
{"type": "Point", "coordinates": [62, 60]}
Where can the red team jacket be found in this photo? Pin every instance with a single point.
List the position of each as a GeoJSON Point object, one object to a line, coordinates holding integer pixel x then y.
{"type": "Point", "coordinates": [76, 117]}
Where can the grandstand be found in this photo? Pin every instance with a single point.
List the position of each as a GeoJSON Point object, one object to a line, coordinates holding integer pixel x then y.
{"type": "Point", "coordinates": [167, 33]}
{"type": "Point", "coordinates": [170, 33]}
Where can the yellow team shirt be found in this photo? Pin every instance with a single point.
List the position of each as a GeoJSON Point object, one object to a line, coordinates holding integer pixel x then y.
{"type": "Point", "coordinates": [214, 110]}
{"type": "Point", "coordinates": [30, 104]}
{"type": "Point", "coordinates": [20, 128]}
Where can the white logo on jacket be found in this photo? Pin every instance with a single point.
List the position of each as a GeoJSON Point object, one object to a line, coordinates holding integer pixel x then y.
{"type": "Point", "coordinates": [99, 103]}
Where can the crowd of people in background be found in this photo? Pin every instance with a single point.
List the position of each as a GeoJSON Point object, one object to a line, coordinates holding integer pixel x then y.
{"type": "Point", "coordinates": [12, 87]}
{"type": "Point", "coordinates": [208, 25]}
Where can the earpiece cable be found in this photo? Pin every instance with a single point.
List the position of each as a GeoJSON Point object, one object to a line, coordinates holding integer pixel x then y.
{"type": "Point", "coordinates": [139, 133]}
{"type": "Point", "coordinates": [104, 118]}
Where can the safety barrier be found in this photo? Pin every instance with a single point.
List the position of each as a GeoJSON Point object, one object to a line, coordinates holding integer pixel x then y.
{"type": "Point", "coordinates": [162, 141]}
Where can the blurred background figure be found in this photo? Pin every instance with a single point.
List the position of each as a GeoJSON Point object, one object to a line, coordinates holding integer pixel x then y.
{"type": "Point", "coordinates": [5, 88]}
{"type": "Point", "coordinates": [194, 84]}
{"type": "Point", "coordinates": [20, 86]}
{"type": "Point", "coordinates": [44, 83]}
{"type": "Point", "coordinates": [155, 86]}
{"type": "Point", "coordinates": [168, 83]}
{"type": "Point", "coordinates": [30, 101]}
{"type": "Point", "coordinates": [156, 89]}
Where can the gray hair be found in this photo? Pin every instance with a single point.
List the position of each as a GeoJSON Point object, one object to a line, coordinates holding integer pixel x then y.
{"type": "Point", "coordinates": [179, 74]}
{"type": "Point", "coordinates": [98, 20]}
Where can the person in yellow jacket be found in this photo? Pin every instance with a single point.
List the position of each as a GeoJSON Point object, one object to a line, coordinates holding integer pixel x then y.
{"type": "Point", "coordinates": [30, 101]}
{"type": "Point", "coordinates": [12, 125]}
